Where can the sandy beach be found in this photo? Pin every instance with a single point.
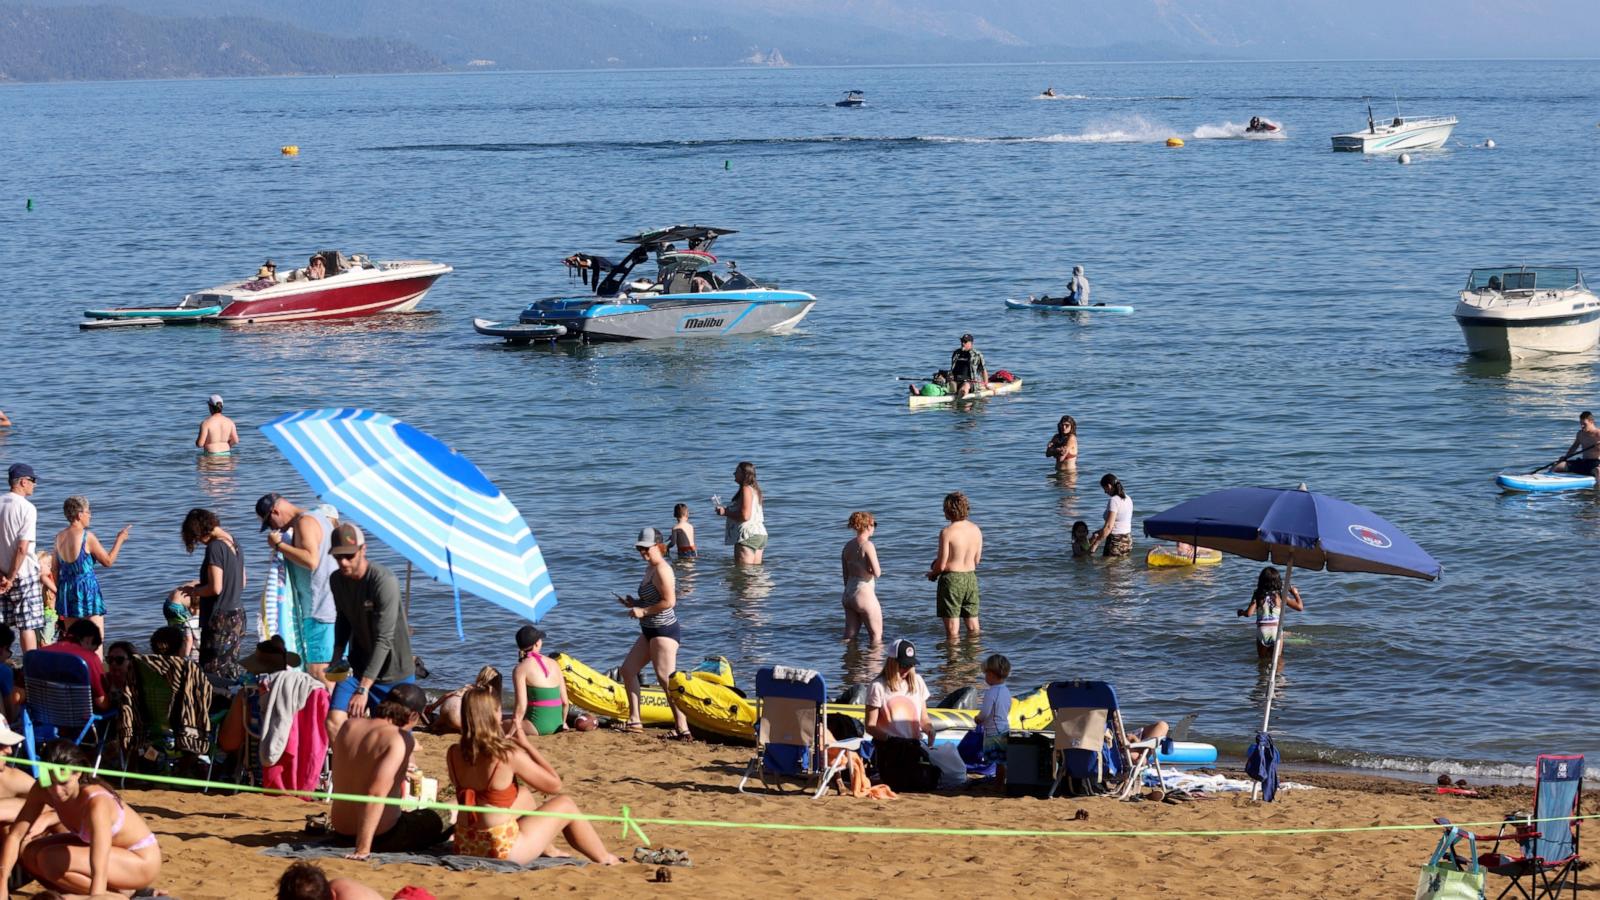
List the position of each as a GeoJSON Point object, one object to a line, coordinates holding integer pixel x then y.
{"type": "Point", "coordinates": [211, 844]}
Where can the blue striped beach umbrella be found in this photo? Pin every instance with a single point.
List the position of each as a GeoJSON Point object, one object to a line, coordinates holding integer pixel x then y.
{"type": "Point", "coordinates": [428, 502]}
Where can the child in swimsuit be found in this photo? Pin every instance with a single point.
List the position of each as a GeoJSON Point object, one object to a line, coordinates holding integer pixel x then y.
{"type": "Point", "coordinates": [683, 532]}
{"type": "Point", "coordinates": [1080, 539]}
{"type": "Point", "coordinates": [543, 707]}
{"type": "Point", "coordinates": [1267, 605]}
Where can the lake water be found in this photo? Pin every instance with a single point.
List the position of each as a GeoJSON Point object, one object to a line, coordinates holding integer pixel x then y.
{"type": "Point", "coordinates": [1293, 325]}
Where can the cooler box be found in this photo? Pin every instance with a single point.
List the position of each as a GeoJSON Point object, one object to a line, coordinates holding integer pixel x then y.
{"type": "Point", "coordinates": [1030, 764]}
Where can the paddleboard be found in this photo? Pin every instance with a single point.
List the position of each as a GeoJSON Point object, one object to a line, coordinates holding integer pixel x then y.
{"type": "Point", "coordinates": [98, 324]}
{"type": "Point", "coordinates": [518, 332]}
{"type": "Point", "coordinates": [1545, 481]}
{"type": "Point", "coordinates": [995, 388]}
{"type": "Point", "coordinates": [165, 313]}
{"type": "Point", "coordinates": [1082, 310]}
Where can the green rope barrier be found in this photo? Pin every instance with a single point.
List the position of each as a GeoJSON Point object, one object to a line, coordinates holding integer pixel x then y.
{"type": "Point", "coordinates": [631, 824]}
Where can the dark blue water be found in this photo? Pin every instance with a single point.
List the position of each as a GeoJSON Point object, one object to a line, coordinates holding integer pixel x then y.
{"type": "Point", "coordinates": [1293, 325]}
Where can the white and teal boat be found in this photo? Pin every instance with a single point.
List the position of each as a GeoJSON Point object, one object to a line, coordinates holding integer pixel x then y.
{"type": "Point", "coordinates": [686, 297]}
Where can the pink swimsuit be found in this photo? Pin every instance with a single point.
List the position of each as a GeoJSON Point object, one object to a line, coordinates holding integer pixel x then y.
{"type": "Point", "coordinates": [84, 834]}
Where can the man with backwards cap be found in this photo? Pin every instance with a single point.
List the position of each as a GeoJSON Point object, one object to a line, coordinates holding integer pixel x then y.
{"type": "Point", "coordinates": [371, 623]}
{"type": "Point", "coordinates": [309, 567]}
{"type": "Point", "coordinates": [21, 594]}
{"type": "Point", "coordinates": [218, 435]}
{"type": "Point", "coordinates": [370, 757]}
{"type": "Point", "coordinates": [967, 369]}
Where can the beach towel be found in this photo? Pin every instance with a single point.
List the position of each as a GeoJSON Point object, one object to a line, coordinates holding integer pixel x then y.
{"type": "Point", "coordinates": [456, 862]}
{"type": "Point", "coordinates": [187, 717]}
{"type": "Point", "coordinates": [299, 768]}
{"type": "Point", "coordinates": [286, 696]}
{"type": "Point", "coordinates": [1262, 765]}
{"type": "Point", "coordinates": [855, 771]}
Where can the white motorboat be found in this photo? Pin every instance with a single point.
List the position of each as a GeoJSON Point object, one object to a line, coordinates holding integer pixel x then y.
{"type": "Point", "coordinates": [1400, 133]}
{"type": "Point", "coordinates": [1514, 312]}
{"type": "Point", "coordinates": [852, 100]}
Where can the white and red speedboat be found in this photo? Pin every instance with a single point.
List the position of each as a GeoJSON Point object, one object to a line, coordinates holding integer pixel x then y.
{"type": "Point", "coordinates": [333, 286]}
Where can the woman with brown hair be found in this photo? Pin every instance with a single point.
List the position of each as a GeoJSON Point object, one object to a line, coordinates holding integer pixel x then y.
{"type": "Point", "coordinates": [745, 518]}
{"type": "Point", "coordinates": [1063, 446]}
{"type": "Point", "coordinates": [218, 590]}
{"type": "Point", "coordinates": [485, 768]}
{"type": "Point", "coordinates": [106, 845]}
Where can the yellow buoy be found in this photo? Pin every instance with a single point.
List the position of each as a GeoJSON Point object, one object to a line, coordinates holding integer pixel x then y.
{"type": "Point", "coordinates": [1174, 142]}
{"type": "Point", "coordinates": [290, 149]}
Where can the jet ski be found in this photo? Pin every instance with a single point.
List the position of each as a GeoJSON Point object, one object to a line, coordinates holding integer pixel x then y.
{"type": "Point", "coordinates": [1259, 125]}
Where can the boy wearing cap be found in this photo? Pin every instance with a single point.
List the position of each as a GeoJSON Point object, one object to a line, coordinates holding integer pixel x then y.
{"type": "Point", "coordinates": [218, 435]}
{"type": "Point", "coordinates": [309, 568]}
{"type": "Point", "coordinates": [21, 594]}
{"type": "Point", "coordinates": [371, 623]}
{"type": "Point", "coordinates": [967, 369]}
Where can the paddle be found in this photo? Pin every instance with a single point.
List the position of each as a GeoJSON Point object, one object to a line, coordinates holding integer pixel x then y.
{"type": "Point", "coordinates": [1561, 460]}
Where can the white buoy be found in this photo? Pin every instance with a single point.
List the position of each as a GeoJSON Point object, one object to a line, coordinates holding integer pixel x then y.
{"type": "Point", "coordinates": [1489, 143]}
{"type": "Point", "coordinates": [1405, 159]}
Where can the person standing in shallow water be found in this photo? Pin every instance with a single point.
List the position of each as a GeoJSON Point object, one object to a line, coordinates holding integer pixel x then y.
{"type": "Point", "coordinates": [955, 569]}
{"type": "Point", "coordinates": [745, 518]}
{"type": "Point", "coordinates": [859, 561]}
{"type": "Point", "coordinates": [1117, 532]}
{"type": "Point", "coordinates": [218, 435]}
{"type": "Point", "coordinates": [1063, 446]}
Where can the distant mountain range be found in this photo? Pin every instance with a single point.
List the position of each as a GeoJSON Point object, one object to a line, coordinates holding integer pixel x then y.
{"type": "Point", "coordinates": [56, 39]}
{"type": "Point", "coordinates": [107, 42]}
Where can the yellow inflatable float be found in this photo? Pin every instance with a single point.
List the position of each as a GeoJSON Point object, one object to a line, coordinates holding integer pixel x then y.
{"type": "Point", "coordinates": [1163, 557]}
{"type": "Point", "coordinates": [605, 696]}
{"type": "Point", "coordinates": [724, 710]}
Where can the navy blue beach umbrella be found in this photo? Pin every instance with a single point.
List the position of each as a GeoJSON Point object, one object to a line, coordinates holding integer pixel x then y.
{"type": "Point", "coordinates": [1292, 528]}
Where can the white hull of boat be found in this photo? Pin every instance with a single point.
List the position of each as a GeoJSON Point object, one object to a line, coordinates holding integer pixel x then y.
{"type": "Point", "coordinates": [1387, 140]}
{"type": "Point", "coordinates": [701, 320]}
{"type": "Point", "coordinates": [1499, 333]}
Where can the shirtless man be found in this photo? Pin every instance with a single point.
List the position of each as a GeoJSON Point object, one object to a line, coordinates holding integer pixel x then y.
{"type": "Point", "coordinates": [370, 756]}
{"type": "Point", "coordinates": [217, 436]}
{"type": "Point", "coordinates": [956, 568]}
{"type": "Point", "coordinates": [1588, 443]}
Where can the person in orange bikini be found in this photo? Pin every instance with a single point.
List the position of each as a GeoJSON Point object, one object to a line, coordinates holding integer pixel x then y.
{"type": "Point", "coordinates": [485, 767]}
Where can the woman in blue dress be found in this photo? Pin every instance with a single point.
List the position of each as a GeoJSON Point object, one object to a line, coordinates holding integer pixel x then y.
{"type": "Point", "coordinates": [77, 550]}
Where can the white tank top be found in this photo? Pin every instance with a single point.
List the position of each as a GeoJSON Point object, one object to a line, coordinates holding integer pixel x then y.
{"type": "Point", "coordinates": [1122, 510]}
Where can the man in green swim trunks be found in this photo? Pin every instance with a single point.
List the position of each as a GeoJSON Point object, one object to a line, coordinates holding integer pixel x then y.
{"type": "Point", "coordinates": [956, 568]}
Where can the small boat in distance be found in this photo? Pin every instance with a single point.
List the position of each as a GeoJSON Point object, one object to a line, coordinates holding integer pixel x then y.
{"type": "Point", "coordinates": [332, 286]}
{"type": "Point", "coordinates": [684, 298]}
{"type": "Point", "coordinates": [852, 99]}
{"type": "Point", "coordinates": [1513, 312]}
{"type": "Point", "coordinates": [1402, 133]}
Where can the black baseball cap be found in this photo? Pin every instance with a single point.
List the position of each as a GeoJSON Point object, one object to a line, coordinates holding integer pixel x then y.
{"type": "Point", "coordinates": [904, 653]}
{"type": "Point", "coordinates": [966, 338]}
{"type": "Point", "coordinates": [264, 508]}
{"type": "Point", "coordinates": [528, 635]}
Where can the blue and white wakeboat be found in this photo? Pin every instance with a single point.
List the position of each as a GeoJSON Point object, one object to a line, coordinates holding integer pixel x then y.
{"type": "Point", "coordinates": [685, 298]}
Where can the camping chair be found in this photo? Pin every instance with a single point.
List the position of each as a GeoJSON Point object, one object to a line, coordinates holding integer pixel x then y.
{"type": "Point", "coordinates": [158, 745]}
{"type": "Point", "coordinates": [1091, 741]}
{"type": "Point", "coordinates": [791, 738]}
{"type": "Point", "coordinates": [1548, 863]}
{"type": "Point", "coordinates": [60, 704]}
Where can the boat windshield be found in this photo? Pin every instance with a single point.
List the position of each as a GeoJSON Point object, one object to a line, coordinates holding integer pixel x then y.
{"type": "Point", "coordinates": [1524, 278]}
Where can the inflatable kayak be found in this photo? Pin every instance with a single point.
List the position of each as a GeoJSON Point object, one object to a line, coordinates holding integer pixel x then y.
{"type": "Point", "coordinates": [605, 696]}
{"type": "Point", "coordinates": [1053, 307]}
{"type": "Point", "coordinates": [1545, 481]}
{"type": "Point", "coordinates": [726, 711]}
{"type": "Point", "coordinates": [1163, 557]}
{"type": "Point", "coordinates": [995, 389]}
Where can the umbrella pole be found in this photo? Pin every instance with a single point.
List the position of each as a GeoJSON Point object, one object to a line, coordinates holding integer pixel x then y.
{"type": "Point", "coordinates": [1277, 653]}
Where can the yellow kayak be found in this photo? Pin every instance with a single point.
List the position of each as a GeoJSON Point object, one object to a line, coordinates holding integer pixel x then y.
{"type": "Point", "coordinates": [1162, 557]}
{"type": "Point", "coordinates": [720, 709]}
{"type": "Point", "coordinates": [605, 696]}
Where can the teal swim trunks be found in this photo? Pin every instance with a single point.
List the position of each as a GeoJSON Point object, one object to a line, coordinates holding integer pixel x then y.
{"type": "Point", "coordinates": [318, 640]}
{"type": "Point", "coordinates": [958, 595]}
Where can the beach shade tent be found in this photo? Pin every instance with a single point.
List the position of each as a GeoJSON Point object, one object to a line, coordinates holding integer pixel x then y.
{"type": "Point", "coordinates": [428, 502]}
{"type": "Point", "coordinates": [1293, 528]}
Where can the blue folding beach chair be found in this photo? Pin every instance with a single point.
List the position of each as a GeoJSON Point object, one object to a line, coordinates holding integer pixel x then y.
{"type": "Point", "coordinates": [1093, 752]}
{"type": "Point", "coordinates": [1548, 840]}
{"type": "Point", "coordinates": [791, 735]}
{"type": "Point", "coordinates": [60, 704]}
